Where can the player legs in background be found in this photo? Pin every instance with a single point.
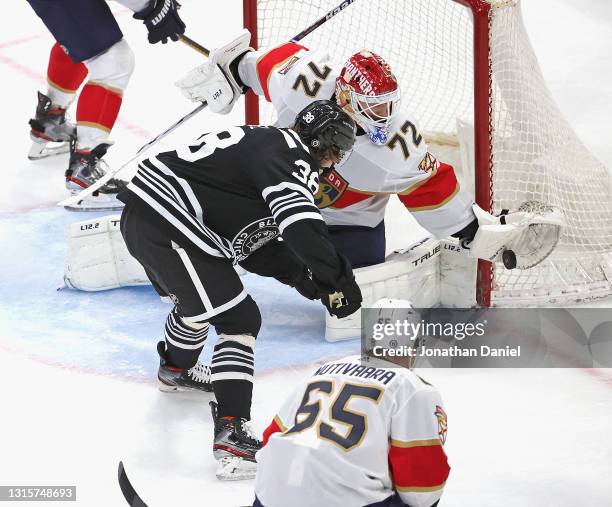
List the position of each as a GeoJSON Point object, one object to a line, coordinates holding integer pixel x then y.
{"type": "Point", "coordinates": [90, 44]}
{"type": "Point", "coordinates": [362, 246]}
{"type": "Point", "coordinates": [89, 41]}
{"type": "Point", "coordinates": [64, 77]}
{"type": "Point", "coordinates": [206, 291]}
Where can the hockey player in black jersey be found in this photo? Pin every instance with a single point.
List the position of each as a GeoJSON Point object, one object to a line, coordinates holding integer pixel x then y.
{"type": "Point", "coordinates": [243, 195]}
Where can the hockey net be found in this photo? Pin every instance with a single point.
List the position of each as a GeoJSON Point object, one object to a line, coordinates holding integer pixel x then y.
{"type": "Point", "coordinates": [516, 144]}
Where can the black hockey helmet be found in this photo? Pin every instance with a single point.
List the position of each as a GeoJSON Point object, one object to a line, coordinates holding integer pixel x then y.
{"type": "Point", "coordinates": [323, 126]}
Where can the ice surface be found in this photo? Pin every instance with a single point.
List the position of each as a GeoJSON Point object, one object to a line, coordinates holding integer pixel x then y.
{"type": "Point", "coordinates": [77, 369]}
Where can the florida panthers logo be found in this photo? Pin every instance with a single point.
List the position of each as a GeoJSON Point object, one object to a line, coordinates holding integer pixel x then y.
{"type": "Point", "coordinates": [331, 188]}
{"type": "Point", "coordinates": [442, 424]}
{"type": "Point", "coordinates": [429, 163]}
{"type": "Point", "coordinates": [254, 236]}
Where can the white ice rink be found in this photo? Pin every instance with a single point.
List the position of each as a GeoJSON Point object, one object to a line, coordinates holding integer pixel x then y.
{"type": "Point", "coordinates": [77, 370]}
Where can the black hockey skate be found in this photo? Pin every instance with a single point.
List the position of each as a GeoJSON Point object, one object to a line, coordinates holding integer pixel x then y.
{"type": "Point", "coordinates": [234, 447]}
{"type": "Point", "coordinates": [85, 168]}
{"type": "Point", "coordinates": [176, 379]}
{"type": "Point", "coordinates": [50, 132]}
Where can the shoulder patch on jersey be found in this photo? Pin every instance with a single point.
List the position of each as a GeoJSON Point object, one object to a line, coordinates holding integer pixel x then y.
{"type": "Point", "coordinates": [331, 188]}
{"type": "Point", "coordinates": [429, 163]}
{"type": "Point", "coordinates": [442, 423]}
{"type": "Point", "coordinates": [287, 67]}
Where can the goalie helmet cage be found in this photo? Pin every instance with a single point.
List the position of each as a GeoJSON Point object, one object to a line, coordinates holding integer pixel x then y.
{"type": "Point", "coordinates": [471, 60]}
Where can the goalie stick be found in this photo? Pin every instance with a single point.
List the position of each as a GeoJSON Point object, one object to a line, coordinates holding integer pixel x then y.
{"type": "Point", "coordinates": [321, 20]}
{"type": "Point", "coordinates": [74, 199]}
{"type": "Point", "coordinates": [129, 493]}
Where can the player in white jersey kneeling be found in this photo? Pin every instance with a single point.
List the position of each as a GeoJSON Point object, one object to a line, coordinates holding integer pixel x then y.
{"type": "Point", "coordinates": [354, 435]}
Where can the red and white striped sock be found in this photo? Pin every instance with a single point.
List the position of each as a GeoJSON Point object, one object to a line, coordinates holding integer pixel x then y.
{"type": "Point", "coordinates": [97, 111]}
{"type": "Point", "coordinates": [64, 77]}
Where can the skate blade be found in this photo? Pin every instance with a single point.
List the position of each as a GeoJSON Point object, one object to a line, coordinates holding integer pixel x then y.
{"type": "Point", "coordinates": [47, 149]}
{"type": "Point", "coordinates": [235, 468]}
{"type": "Point", "coordinates": [165, 388]}
{"type": "Point", "coordinates": [100, 202]}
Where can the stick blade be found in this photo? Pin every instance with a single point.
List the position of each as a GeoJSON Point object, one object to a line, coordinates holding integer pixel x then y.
{"type": "Point", "coordinates": [129, 493]}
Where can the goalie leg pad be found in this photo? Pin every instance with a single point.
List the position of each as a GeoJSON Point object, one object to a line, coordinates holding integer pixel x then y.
{"type": "Point", "coordinates": [97, 257]}
{"type": "Point", "coordinates": [412, 275]}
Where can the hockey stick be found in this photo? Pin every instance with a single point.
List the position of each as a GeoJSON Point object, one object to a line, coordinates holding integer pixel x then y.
{"type": "Point", "coordinates": [109, 175]}
{"type": "Point", "coordinates": [201, 49]}
{"type": "Point", "coordinates": [194, 45]}
{"type": "Point", "coordinates": [322, 20]}
{"type": "Point", "coordinates": [74, 199]}
{"type": "Point", "coordinates": [129, 493]}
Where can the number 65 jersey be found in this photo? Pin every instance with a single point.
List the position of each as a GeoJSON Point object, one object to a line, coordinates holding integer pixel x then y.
{"type": "Point", "coordinates": [355, 436]}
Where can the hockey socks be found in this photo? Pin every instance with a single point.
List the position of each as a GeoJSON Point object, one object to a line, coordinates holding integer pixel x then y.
{"type": "Point", "coordinates": [97, 111]}
{"type": "Point", "coordinates": [64, 77]}
{"type": "Point", "coordinates": [232, 371]}
{"type": "Point", "coordinates": [184, 342]}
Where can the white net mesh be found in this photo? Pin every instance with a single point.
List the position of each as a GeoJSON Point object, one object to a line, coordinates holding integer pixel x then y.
{"type": "Point", "coordinates": [426, 42]}
{"type": "Point", "coordinates": [536, 155]}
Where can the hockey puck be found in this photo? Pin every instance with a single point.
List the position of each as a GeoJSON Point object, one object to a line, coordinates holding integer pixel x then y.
{"type": "Point", "coordinates": [509, 259]}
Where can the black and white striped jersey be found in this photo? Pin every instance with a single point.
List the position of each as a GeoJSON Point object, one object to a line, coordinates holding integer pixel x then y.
{"type": "Point", "coordinates": [231, 192]}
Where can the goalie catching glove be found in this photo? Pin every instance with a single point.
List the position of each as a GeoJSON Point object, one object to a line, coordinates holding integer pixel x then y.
{"type": "Point", "coordinates": [217, 82]}
{"type": "Point", "coordinates": [521, 239]}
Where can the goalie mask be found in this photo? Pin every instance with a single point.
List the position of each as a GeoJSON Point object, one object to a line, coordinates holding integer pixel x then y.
{"type": "Point", "coordinates": [368, 91]}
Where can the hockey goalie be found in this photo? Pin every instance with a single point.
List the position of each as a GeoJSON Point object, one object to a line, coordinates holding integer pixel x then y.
{"type": "Point", "coordinates": [390, 157]}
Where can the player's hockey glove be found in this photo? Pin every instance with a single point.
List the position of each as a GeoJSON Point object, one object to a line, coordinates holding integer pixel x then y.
{"type": "Point", "coordinates": [346, 299]}
{"type": "Point", "coordinates": [305, 286]}
{"type": "Point", "coordinates": [162, 20]}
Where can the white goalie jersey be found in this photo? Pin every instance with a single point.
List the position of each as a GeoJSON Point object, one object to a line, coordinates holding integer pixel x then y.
{"type": "Point", "coordinates": [356, 192]}
{"type": "Point", "coordinates": [355, 436]}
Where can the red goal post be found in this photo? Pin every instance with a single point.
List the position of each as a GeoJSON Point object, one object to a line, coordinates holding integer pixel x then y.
{"type": "Point", "coordinates": [471, 60]}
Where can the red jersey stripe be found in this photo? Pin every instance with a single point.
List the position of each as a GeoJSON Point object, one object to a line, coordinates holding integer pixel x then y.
{"type": "Point", "coordinates": [350, 197]}
{"type": "Point", "coordinates": [419, 466]}
{"type": "Point", "coordinates": [433, 192]}
{"type": "Point", "coordinates": [273, 59]}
